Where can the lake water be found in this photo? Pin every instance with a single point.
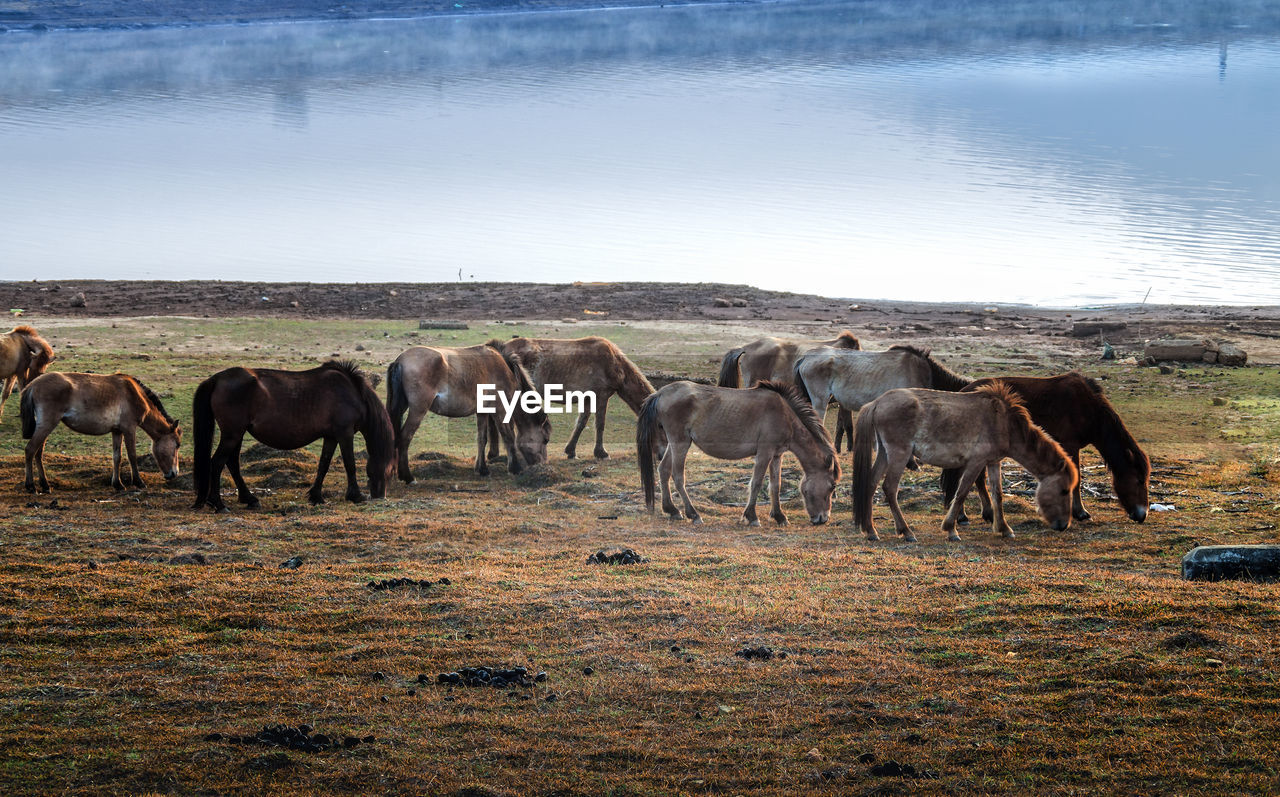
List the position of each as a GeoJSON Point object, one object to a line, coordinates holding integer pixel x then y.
{"type": "Point", "coordinates": [909, 150]}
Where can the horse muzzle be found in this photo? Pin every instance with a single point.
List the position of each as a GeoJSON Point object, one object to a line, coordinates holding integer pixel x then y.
{"type": "Point", "coordinates": [1138, 513]}
{"type": "Point", "coordinates": [170, 476]}
{"type": "Point", "coordinates": [817, 520]}
{"type": "Point", "coordinates": [1060, 525]}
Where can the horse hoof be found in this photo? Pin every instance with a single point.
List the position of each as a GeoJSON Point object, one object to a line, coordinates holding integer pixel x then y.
{"type": "Point", "coordinates": [602, 454]}
{"type": "Point", "coordinates": [408, 479]}
{"type": "Point", "coordinates": [1082, 516]}
{"type": "Point", "coordinates": [571, 453]}
{"type": "Point", "coordinates": [912, 538]}
{"type": "Point", "coordinates": [987, 517]}
{"type": "Point", "coordinates": [482, 471]}
{"type": "Point", "coordinates": [221, 510]}
{"type": "Point", "coordinates": [781, 520]}
{"type": "Point", "coordinates": [697, 521]}
{"type": "Point", "coordinates": [315, 500]}
{"type": "Point", "coordinates": [358, 498]}
{"type": "Point", "coordinates": [873, 537]}
{"type": "Point", "coordinates": [253, 503]}
{"type": "Point", "coordinates": [751, 522]}
{"type": "Point", "coordinates": [951, 538]}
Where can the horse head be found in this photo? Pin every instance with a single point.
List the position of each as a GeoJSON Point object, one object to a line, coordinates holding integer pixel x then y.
{"type": "Point", "coordinates": [1053, 496]}
{"type": "Point", "coordinates": [817, 489]}
{"type": "Point", "coordinates": [1131, 483]}
{"type": "Point", "coordinates": [165, 449]}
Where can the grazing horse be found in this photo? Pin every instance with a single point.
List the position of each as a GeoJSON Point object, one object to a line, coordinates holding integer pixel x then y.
{"type": "Point", "coordinates": [24, 355]}
{"type": "Point", "coordinates": [765, 422]}
{"type": "Point", "coordinates": [582, 364]}
{"type": "Point", "coordinates": [97, 404]}
{"type": "Point", "coordinates": [774, 359]}
{"type": "Point", "coordinates": [1071, 409]}
{"type": "Point", "coordinates": [287, 410]}
{"type": "Point", "coordinates": [853, 378]}
{"type": "Point", "coordinates": [443, 380]}
{"type": "Point", "coordinates": [971, 431]}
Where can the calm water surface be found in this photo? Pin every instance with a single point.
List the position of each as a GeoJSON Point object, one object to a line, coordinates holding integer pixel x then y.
{"type": "Point", "coordinates": [899, 150]}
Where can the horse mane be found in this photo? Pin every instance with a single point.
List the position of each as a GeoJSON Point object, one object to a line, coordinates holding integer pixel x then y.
{"type": "Point", "coordinates": [847, 340]}
{"type": "Point", "coordinates": [803, 410]}
{"type": "Point", "coordinates": [523, 379]}
{"type": "Point", "coordinates": [943, 377]}
{"type": "Point", "coordinates": [1114, 441]}
{"type": "Point", "coordinates": [1044, 447]}
{"type": "Point", "coordinates": [33, 338]}
{"type": "Point", "coordinates": [154, 401]}
{"type": "Point", "coordinates": [348, 367]}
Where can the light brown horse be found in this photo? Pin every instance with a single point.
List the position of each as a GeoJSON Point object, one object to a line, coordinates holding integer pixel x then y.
{"type": "Point", "coordinates": [443, 380]}
{"type": "Point", "coordinates": [24, 355]}
{"type": "Point", "coordinates": [774, 359]}
{"type": "Point", "coordinates": [852, 378]}
{"type": "Point", "coordinates": [582, 364]}
{"type": "Point", "coordinates": [763, 422]}
{"type": "Point", "coordinates": [972, 431]}
{"type": "Point", "coordinates": [97, 404]}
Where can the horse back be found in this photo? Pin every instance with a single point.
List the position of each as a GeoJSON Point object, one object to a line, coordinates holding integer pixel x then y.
{"type": "Point", "coordinates": [1065, 406]}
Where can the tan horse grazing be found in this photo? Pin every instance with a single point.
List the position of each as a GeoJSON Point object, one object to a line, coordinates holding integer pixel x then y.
{"type": "Point", "coordinates": [24, 355]}
{"type": "Point", "coordinates": [443, 380]}
{"type": "Point", "coordinates": [972, 431]}
{"type": "Point", "coordinates": [774, 359]}
{"type": "Point", "coordinates": [582, 364]}
{"type": "Point", "coordinates": [853, 378]}
{"type": "Point", "coordinates": [763, 422]}
{"type": "Point", "coordinates": [97, 404]}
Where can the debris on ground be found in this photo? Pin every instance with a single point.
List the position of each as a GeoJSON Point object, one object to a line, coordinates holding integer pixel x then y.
{"type": "Point", "coordinates": [301, 738]}
{"type": "Point", "coordinates": [762, 652]}
{"type": "Point", "coordinates": [396, 583]}
{"type": "Point", "coordinates": [626, 556]}
{"type": "Point", "coordinates": [496, 677]}
{"type": "Point", "coordinates": [292, 563]}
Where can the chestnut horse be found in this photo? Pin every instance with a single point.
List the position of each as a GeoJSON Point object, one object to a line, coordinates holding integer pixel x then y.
{"type": "Point", "coordinates": [443, 380]}
{"type": "Point", "coordinates": [1071, 409]}
{"type": "Point", "coordinates": [96, 404]}
{"type": "Point", "coordinates": [971, 431]}
{"type": "Point", "coordinates": [582, 364]}
{"type": "Point", "coordinates": [774, 359]}
{"type": "Point", "coordinates": [765, 422]}
{"type": "Point", "coordinates": [24, 355]}
{"type": "Point", "coordinates": [287, 410]}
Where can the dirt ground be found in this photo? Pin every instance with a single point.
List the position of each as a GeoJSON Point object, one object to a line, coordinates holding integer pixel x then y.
{"type": "Point", "coordinates": [1256, 329]}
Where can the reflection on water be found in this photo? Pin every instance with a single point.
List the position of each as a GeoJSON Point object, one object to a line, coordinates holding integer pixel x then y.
{"type": "Point", "coordinates": [856, 149]}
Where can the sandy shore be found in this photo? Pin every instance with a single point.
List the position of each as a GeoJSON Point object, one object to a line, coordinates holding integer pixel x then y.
{"type": "Point", "coordinates": [1256, 329]}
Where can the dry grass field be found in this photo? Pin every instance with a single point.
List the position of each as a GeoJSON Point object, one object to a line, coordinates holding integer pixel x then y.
{"type": "Point", "coordinates": [1074, 662]}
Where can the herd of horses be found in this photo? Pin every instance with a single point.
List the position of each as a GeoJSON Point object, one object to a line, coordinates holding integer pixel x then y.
{"type": "Point", "coordinates": [772, 398]}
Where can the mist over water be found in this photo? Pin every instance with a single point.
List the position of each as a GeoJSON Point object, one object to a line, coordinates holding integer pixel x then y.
{"type": "Point", "coordinates": [993, 152]}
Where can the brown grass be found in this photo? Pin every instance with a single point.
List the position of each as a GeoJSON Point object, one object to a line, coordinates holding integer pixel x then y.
{"type": "Point", "coordinates": [1072, 662]}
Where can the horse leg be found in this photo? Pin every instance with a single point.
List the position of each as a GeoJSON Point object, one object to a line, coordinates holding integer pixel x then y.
{"type": "Point", "coordinates": [571, 447]}
{"type": "Point", "coordinates": [131, 448]}
{"type": "Point", "coordinates": [243, 494]}
{"type": "Point", "coordinates": [482, 442]}
{"type": "Point", "coordinates": [603, 400]}
{"type": "Point", "coordinates": [878, 469]}
{"type": "Point", "coordinates": [967, 478]}
{"type": "Point", "coordinates": [984, 495]}
{"type": "Point", "coordinates": [844, 426]}
{"type": "Point", "coordinates": [894, 467]}
{"type": "Point", "coordinates": [35, 454]}
{"type": "Point", "coordinates": [411, 422]}
{"type": "Point", "coordinates": [775, 490]}
{"type": "Point", "coordinates": [997, 494]}
{"type": "Point", "coordinates": [1077, 506]}
{"type": "Point", "coordinates": [346, 446]}
{"type": "Point", "coordinates": [677, 475]}
{"type": "Point", "coordinates": [664, 474]}
{"type": "Point", "coordinates": [116, 439]}
{"type": "Point", "coordinates": [753, 491]}
{"type": "Point", "coordinates": [495, 451]}
{"type": "Point", "coordinates": [228, 446]}
{"type": "Point", "coordinates": [8, 388]}
{"type": "Point", "coordinates": [316, 494]}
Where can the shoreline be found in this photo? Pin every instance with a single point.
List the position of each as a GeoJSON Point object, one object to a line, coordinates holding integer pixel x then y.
{"type": "Point", "coordinates": [1254, 328]}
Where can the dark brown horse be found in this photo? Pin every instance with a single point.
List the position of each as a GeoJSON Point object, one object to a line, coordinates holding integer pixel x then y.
{"type": "Point", "coordinates": [287, 410]}
{"type": "Point", "coordinates": [1072, 410]}
{"type": "Point", "coordinates": [774, 359]}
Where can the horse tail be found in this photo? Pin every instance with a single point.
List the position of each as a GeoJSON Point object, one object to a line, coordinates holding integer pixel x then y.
{"type": "Point", "coordinates": [646, 430]}
{"type": "Point", "coordinates": [202, 423]}
{"type": "Point", "coordinates": [27, 409]}
{"type": "Point", "coordinates": [801, 388]}
{"type": "Point", "coordinates": [730, 376]}
{"type": "Point", "coordinates": [397, 399]}
{"type": "Point", "coordinates": [864, 489]}
{"type": "Point", "coordinates": [635, 386]}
